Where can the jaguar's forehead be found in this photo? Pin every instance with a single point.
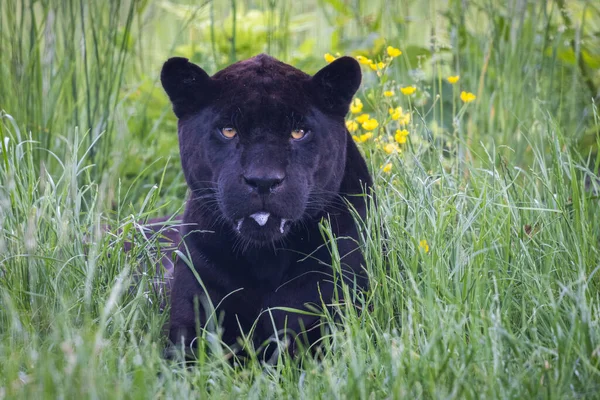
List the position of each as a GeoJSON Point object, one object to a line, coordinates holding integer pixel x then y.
{"type": "Point", "coordinates": [262, 83]}
{"type": "Point", "coordinates": [262, 71]}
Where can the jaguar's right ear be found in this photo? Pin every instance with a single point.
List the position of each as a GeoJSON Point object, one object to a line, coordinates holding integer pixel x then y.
{"type": "Point", "coordinates": [188, 86]}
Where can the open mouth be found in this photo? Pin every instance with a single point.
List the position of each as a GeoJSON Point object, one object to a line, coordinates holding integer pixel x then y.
{"type": "Point", "coordinates": [262, 226]}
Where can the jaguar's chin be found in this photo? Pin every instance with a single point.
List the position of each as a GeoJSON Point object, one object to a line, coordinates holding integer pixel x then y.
{"type": "Point", "coordinates": [262, 227]}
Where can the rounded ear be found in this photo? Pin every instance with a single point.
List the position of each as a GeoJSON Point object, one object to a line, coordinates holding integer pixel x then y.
{"type": "Point", "coordinates": [336, 84]}
{"type": "Point", "coordinates": [187, 85]}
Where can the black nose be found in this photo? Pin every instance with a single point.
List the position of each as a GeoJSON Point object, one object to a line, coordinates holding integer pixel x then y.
{"type": "Point", "coordinates": [264, 183]}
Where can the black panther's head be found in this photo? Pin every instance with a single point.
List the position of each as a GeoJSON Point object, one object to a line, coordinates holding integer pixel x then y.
{"type": "Point", "coordinates": [262, 143]}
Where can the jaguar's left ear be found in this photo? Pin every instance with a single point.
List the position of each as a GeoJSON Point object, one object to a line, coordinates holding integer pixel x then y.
{"type": "Point", "coordinates": [335, 85]}
{"type": "Point", "coordinates": [188, 86]}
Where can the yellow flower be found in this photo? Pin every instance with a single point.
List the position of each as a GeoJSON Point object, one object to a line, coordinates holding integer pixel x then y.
{"type": "Point", "coordinates": [356, 138]}
{"type": "Point", "coordinates": [370, 124]}
{"type": "Point", "coordinates": [398, 115]}
{"type": "Point", "coordinates": [401, 135]}
{"type": "Point", "coordinates": [376, 66]}
{"type": "Point", "coordinates": [352, 126]}
{"type": "Point", "coordinates": [388, 93]}
{"type": "Point", "coordinates": [423, 244]}
{"type": "Point", "coordinates": [362, 118]}
{"type": "Point", "coordinates": [356, 106]}
{"type": "Point", "coordinates": [365, 136]}
{"type": "Point", "coordinates": [391, 148]}
{"type": "Point", "coordinates": [467, 97]}
{"type": "Point", "coordinates": [408, 90]}
{"type": "Point", "coordinates": [404, 119]}
{"type": "Point", "coordinates": [393, 52]}
{"type": "Point", "coordinates": [363, 60]}
{"type": "Point", "coordinates": [387, 168]}
{"type": "Point", "coordinates": [329, 58]}
{"type": "Point", "coordinates": [453, 79]}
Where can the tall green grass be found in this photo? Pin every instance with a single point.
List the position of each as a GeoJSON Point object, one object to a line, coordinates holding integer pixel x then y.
{"type": "Point", "coordinates": [483, 251]}
{"type": "Point", "coordinates": [63, 64]}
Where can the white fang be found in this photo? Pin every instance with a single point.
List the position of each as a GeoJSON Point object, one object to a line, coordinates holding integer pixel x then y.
{"type": "Point", "coordinates": [261, 217]}
{"type": "Point", "coordinates": [239, 224]}
{"type": "Point", "coordinates": [283, 221]}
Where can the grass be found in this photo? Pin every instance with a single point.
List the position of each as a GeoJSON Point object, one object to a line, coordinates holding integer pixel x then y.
{"type": "Point", "coordinates": [483, 252]}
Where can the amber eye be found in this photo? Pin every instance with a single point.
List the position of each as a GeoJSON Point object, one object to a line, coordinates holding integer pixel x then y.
{"type": "Point", "coordinates": [298, 134]}
{"type": "Point", "coordinates": [228, 132]}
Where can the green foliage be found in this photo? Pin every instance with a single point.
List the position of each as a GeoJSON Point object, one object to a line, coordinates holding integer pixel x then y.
{"type": "Point", "coordinates": [483, 250]}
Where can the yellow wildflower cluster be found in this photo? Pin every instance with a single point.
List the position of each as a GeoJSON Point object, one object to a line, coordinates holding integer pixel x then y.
{"type": "Point", "coordinates": [364, 128]}
{"type": "Point", "coordinates": [424, 245]}
{"type": "Point", "coordinates": [329, 58]}
{"type": "Point", "coordinates": [408, 90]}
{"type": "Point", "coordinates": [390, 144]}
{"type": "Point", "coordinates": [356, 106]}
{"type": "Point", "coordinates": [363, 60]}
{"type": "Point", "coordinates": [352, 126]}
{"type": "Point", "coordinates": [370, 124]}
{"type": "Point", "coordinates": [390, 133]}
{"type": "Point", "coordinates": [377, 66]}
{"type": "Point", "coordinates": [467, 97]}
{"type": "Point", "coordinates": [362, 138]}
{"type": "Point", "coordinates": [392, 53]}
{"type": "Point", "coordinates": [399, 115]}
{"type": "Point", "coordinates": [401, 136]}
{"type": "Point", "coordinates": [391, 148]}
{"type": "Point", "coordinates": [363, 121]}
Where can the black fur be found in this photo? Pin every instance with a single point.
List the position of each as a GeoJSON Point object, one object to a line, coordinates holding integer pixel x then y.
{"type": "Point", "coordinates": [257, 268]}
